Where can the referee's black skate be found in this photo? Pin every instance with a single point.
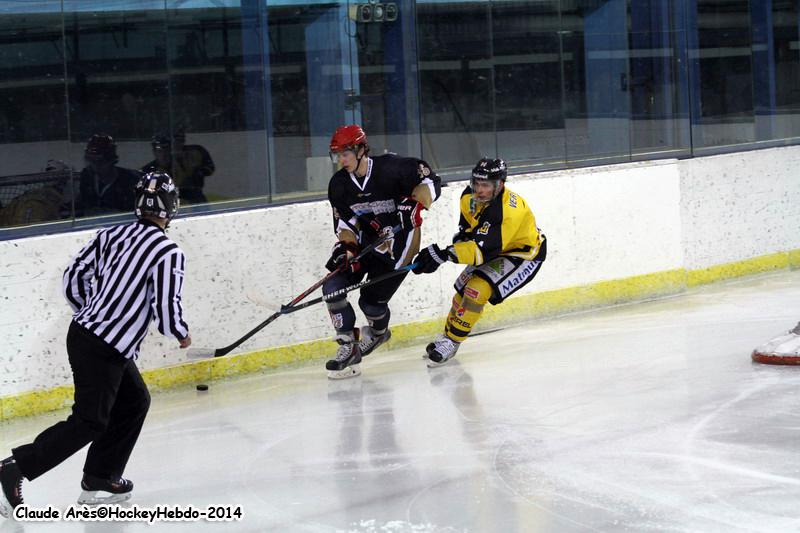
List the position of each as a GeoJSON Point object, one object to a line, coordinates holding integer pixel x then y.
{"type": "Point", "coordinates": [11, 486]}
{"type": "Point", "coordinates": [99, 491]}
{"type": "Point", "coordinates": [345, 364]}
{"type": "Point", "coordinates": [371, 340]}
{"type": "Point", "coordinates": [441, 350]}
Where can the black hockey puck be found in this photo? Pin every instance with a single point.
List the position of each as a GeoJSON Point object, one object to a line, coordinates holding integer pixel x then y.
{"type": "Point", "coordinates": [202, 386]}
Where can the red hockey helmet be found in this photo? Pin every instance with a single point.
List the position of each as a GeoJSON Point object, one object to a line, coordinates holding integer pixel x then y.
{"type": "Point", "coordinates": [348, 138]}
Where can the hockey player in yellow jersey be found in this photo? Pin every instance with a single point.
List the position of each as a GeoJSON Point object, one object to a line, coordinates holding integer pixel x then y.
{"type": "Point", "coordinates": [498, 241]}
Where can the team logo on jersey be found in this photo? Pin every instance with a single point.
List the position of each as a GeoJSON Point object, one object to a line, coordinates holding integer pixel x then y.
{"type": "Point", "coordinates": [472, 205]}
{"type": "Point", "coordinates": [337, 320]}
{"type": "Point", "coordinates": [388, 245]}
{"type": "Point", "coordinates": [497, 266]}
{"type": "Point", "coordinates": [521, 276]}
{"type": "Point", "coordinates": [484, 230]}
{"type": "Point", "coordinates": [424, 171]}
{"type": "Point", "coordinates": [377, 207]}
{"type": "Point", "coordinates": [462, 323]}
{"type": "Point", "coordinates": [472, 293]}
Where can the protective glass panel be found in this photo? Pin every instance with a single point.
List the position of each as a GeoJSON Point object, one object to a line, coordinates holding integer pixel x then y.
{"type": "Point", "coordinates": [216, 124]}
{"type": "Point", "coordinates": [783, 117]}
{"type": "Point", "coordinates": [596, 82]}
{"type": "Point", "coordinates": [529, 118]}
{"type": "Point", "coordinates": [658, 77]}
{"type": "Point", "coordinates": [455, 52]}
{"type": "Point", "coordinates": [33, 116]}
{"type": "Point", "coordinates": [117, 86]}
{"type": "Point", "coordinates": [723, 76]}
{"type": "Point", "coordinates": [333, 64]}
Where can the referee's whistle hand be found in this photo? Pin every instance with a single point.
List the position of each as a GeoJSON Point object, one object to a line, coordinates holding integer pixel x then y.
{"type": "Point", "coordinates": [185, 343]}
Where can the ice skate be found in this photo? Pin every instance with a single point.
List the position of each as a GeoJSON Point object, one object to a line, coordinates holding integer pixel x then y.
{"type": "Point", "coordinates": [98, 491]}
{"type": "Point", "coordinates": [441, 350]}
{"type": "Point", "coordinates": [345, 363]}
{"type": "Point", "coordinates": [782, 344]}
{"type": "Point", "coordinates": [782, 350]}
{"type": "Point", "coordinates": [10, 486]}
{"type": "Point", "coordinates": [370, 340]}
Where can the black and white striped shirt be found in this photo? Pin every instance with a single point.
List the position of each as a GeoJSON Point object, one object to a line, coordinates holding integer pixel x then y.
{"type": "Point", "coordinates": [124, 278]}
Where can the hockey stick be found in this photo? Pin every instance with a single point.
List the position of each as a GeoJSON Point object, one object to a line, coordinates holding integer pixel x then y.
{"type": "Point", "coordinates": [286, 310]}
{"type": "Point", "coordinates": [202, 353]}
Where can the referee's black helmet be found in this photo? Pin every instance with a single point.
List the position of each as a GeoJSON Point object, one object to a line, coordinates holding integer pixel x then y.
{"type": "Point", "coordinates": [157, 196]}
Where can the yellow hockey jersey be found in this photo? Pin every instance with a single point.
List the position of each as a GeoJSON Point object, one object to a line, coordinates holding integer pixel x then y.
{"type": "Point", "coordinates": [504, 226]}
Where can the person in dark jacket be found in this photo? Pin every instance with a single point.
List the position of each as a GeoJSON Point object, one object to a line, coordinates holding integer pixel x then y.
{"type": "Point", "coordinates": [105, 188]}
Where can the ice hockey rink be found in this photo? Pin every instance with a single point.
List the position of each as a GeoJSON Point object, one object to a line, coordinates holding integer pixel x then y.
{"type": "Point", "coordinates": [642, 417]}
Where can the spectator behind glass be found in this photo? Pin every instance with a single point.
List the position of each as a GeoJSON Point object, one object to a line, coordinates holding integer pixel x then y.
{"type": "Point", "coordinates": [188, 164]}
{"type": "Point", "coordinates": [105, 188]}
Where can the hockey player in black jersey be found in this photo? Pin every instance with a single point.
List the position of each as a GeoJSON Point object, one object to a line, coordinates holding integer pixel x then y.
{"type": "Point", "coordinates": [369, 196]}
{"type": "Point", "coordinates": [499, 241]}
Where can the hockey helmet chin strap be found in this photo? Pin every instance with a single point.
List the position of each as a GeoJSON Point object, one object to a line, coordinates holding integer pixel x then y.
{"type": "Point", "coordinates": [335, 156]}
{"type": "Point", "coordinates": [358, 160]}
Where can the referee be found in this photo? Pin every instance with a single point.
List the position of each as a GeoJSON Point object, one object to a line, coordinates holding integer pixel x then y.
{"type": "Point", "coordinates": [127, 276]}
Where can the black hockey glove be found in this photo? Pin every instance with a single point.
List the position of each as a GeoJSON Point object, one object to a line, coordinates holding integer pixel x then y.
{"type": "Point", "coordinates": [409, 211]}
{"type": "Point", "coordinates": [431, 258]}
{"type": "Point", "coordinates": [341, 257]}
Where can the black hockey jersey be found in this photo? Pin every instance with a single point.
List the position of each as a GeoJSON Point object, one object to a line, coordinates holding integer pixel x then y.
{"type": "Point", "coordinates": [389, 179]}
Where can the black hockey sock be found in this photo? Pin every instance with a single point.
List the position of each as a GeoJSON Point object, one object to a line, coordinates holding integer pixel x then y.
{"type": "Point", "coordinates": [343, 316]}
{"type": "Point", "coordinates": [379, 325]}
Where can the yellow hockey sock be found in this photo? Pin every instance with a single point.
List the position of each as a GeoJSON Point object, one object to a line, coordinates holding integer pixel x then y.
{"type": "Point", "coordinates": [467, 309]}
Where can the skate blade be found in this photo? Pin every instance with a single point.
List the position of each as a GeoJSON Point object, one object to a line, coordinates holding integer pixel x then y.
{"type": "Point", "coordinates": [433, 364]}
{"type": "Point", "coordinates": [345, 373]}
{"type": "Point", "coordinates": [99, 497]}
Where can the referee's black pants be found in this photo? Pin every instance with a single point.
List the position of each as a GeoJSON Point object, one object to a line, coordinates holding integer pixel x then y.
{"type": "Point", "coordinates": [111, 403]}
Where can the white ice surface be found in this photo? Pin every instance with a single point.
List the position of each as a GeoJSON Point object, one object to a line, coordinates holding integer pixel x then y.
{"type": "Point", "coordinates": [646, 417]}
